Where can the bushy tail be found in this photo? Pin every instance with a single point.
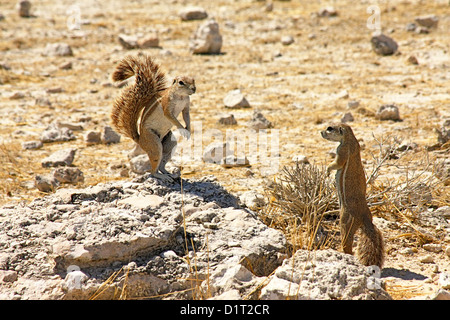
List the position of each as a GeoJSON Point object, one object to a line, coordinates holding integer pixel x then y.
{"type": "Point", "coordinates": [370, 249]}
{"type": "Point", "coordinates": [150, 82]}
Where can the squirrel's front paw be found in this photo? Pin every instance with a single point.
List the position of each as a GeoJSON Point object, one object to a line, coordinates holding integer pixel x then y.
{"type": "Point", "coordinates": [329, 171]}
{"type": "Point", "coordinates": [185, 133]}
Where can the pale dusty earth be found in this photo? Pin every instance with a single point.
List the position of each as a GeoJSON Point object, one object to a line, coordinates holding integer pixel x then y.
{"type": "Point", "coordinates": [299, 87]}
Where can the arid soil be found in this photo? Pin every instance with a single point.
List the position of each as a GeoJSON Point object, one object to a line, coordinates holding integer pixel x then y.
{"type": "Point", "coordinates": [299, 87]}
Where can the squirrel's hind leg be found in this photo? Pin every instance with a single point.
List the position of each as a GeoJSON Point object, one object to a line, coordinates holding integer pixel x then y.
{"type": "Point", "coordinates": [151, 144]}
{"type": "Point", "coordinates": [169, 144]}
{"type": "Point", "coordinates": [348, 225]}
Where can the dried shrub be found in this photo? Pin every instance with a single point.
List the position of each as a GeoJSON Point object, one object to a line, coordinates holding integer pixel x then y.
{"type": "Point", "coordinates": [303, 204]}
{"type": "Point", "coordinates": [415, 188]}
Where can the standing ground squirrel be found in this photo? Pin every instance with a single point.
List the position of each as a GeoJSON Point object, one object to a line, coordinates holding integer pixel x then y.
{"type": "Point", "coordinates": [147, 110]}
{"type": "Point", "coordinates": [351, 189]}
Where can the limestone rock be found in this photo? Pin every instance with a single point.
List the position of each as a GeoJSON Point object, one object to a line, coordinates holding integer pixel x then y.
{"type": "Point", "coordinates": [128, 42]}
{"type": "Point", "coordinates": [207, 39]}
{"type": "Point", "coordinates": [92, 137]}
{"type": "Point", "coordinates": [193, 13]}
{"type": "Point", "coordinates": [32, 145]}
{"type": "Point", "coordinates": [8, 276]}
{"type": "Point", "coordinates": [63, 157]}
{"type": "Point", "coordinates": [45, 183]}
{"type": "Point", "coordinates": [388, 112]}
{"type": "Point", "coordinates": [287, 40]}
{"type": "Point", "coordinates": [227, 120]}
{"type": "Point", "coordinates": [328, 12]}
{"type": "Point", "coordinates": [140, 164]}
{"type": "Point", "coordinates": [232, 161]}
{"type": "Point", "coordinates": [216, 152]}
{"type": "Point", "coordinates": [55, 133]}
{"type": "Point", "coordinates": [109, 136]}
{"type": "Point", "coordinates": [444, 132]}
{"type": "Point", "coordinates": [235, 99]}
{"type": "Point", "coordinates": [428, 21]}
{"type": "Point", "coordinates": [148, 41]}
{"type": "Point", "coordinates": [23, 7]}
{"type": "Point", "coordinates": [252, 200]}
{"type": "Point", "coordinates": [258, 121]}
{"type": "Point", "coordinates": [383, 45]}
{"type": "Point", "coordinates": [68, 175]}
{"type": "Point", "coordinates": [326, 275]}
{"type": "Point", "coordinates": [58, 50]}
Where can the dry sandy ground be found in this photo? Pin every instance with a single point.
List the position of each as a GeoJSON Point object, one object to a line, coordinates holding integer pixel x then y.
{"type": "Point", "coordinates": [299, 87]}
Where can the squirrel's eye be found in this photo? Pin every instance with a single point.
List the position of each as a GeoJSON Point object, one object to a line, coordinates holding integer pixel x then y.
{"type": "Point", "coordinates": [181, 83]}
{"type": "Point", "coordinates": [330, 129]}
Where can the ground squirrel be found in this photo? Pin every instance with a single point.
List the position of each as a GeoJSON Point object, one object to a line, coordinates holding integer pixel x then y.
{"type": "Point", "coordinates": [351, 189]}
{"type": "Point", "coordinates": [147, 110]}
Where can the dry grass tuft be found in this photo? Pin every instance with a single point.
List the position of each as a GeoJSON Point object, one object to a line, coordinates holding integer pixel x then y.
{"type": "Point", "coordinates": [303, 204]}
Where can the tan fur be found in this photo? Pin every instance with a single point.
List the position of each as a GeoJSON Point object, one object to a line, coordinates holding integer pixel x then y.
{"type": "Point", "coordinates": [147, 110]}
{"type": "Point", "coordinates": [351, 188]}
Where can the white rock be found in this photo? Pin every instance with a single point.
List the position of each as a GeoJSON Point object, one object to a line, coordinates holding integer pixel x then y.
{"type": "Point", "coordinates": [136, 151]}
{"type": "Point", "coordinates": [45, 183]}
{"type": "Point", "coordinates": [127, 42]}
{"type": "Point", "coordinates": [149, 41]}
{"type": "Point", "coordinates": [193, 13]}
{"type": "Point", "coordinates": [353, 104]}
{"type": "Point", "coordinates": [63, 157]}
{"type": "Point", "coordinates": [433, 247]}
{"type": "Point", "coordinates": [444, 280]}
{"type": "Point", "coordinates": [233, 162]}
{"type": "Point", "coordinates": [258, 121]}
{"type": "Point", "coordinates": [444, 132]}
{"type": "Point", "coordinates": [300, 159]}
{"type": "Point", "coordinates": [143, 202]}
{"type": "Point", "coordinates": [279, 289]}
{"type": "Point", "coordinates": [252, 200]}
{"type": "Point", "coordinates": [8, 276]}
{"type": "Point", "coordinates": [169, 254]}
{"type": "Point", "coordinates": [32, 145]}
{"type": "Point", "coordinates": [347, 117]}
{"type": "Point", "coordinates": [231, 277]}
{"type": "Point", "coordinates": [327, 274]}
{"type": "Point", "coordinates": [287, 40]}
{"type": "Point", "coordinates": [235, 99]}
{"type": "Point", "coordinates": [17, 95]}
{"type": "Point", "coordinates": [228, 295]}
{"type": "Point", "coordinates": [54, 133]}
{"type": "Point", "coordinates": [58, 50]}
{"type": "Point", "coordinates": [92, 137]}
{"type": "Point", "coordinates": [140, 164]}
{"type": "Point", "coordinates": [108, 135]}
{"type": "Point", "coordinates": [216, 152]}
{"type": "Point", "coordinates": [441, 294]}
{"type": "Point", "coordinates": [426, 259]}
{"type": "Point", "coordinates": [388, 112]}
{"type": "Point", "coordinates": [207, 39]}
{"type": "Point", "coordinates": [74, 280]}
{"type": "Point", "coordinates": [68, 175]}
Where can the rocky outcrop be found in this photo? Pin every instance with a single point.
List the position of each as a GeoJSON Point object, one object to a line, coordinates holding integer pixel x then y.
{"type": "Point", "coordinates": [147, 239]}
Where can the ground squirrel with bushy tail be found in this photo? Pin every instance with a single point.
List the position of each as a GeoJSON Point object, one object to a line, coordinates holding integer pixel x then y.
{"type": "Point", "coordinates": [147, 110]}
{"type": "Point", "coordinates": [351, 188]}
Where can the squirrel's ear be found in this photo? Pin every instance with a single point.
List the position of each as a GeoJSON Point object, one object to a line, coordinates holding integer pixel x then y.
{"type": "Point", "coordinates": [341, 130]}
